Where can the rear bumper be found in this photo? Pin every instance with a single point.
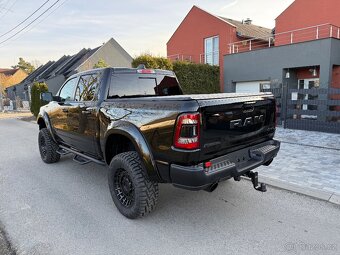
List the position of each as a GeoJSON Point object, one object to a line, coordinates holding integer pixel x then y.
{"type": "Point", "coordinates": [225, 167]}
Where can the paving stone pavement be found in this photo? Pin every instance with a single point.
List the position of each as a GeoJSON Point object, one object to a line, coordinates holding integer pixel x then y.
{"type": "Point", "coordinates": [310, 138]}
{"type": "Point", "coordinates": [308, 159]}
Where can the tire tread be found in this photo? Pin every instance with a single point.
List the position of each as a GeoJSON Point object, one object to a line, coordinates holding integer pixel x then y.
{"type": "Point", "coordinates": [148, 195]}
{"type": "Point", "coordinates": [51, 156]}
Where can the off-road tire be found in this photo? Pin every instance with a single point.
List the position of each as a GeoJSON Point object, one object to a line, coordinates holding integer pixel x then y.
{"type": "Point", "coordinates": [139, 196]}
{"type": "Point", "coordinates": [47, 147]}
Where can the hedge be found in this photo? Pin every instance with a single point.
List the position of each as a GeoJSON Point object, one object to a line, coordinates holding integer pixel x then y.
{"type": "Point", "coordinates": [194, 78]}
{"type": "Point", "coordinates": [152, 62]}
{"type": "Point", "coordinates": [37, 88]}
{"type": "Point", "coordinates": [197, 78]}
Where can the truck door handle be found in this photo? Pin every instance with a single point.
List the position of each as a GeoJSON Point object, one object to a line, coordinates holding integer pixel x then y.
{"type": "Point", "coordinates": [65, 110]}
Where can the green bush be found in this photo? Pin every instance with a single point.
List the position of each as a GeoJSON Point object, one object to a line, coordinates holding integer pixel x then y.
{"type": "Point", "coordinates": [194, 78]}
{"type": "Point", "coordinates": [147, 60]}
{"type": "Point", "coordinates": [164, 63]}
{"type": "Point", "coordinates": [100, 64]}
{"type": "Point", "coordinates": [37, 88]}
{"type": "Point", "coordinates": [152, 62]}
{"type": "Point", "coordinates": [197, 78]}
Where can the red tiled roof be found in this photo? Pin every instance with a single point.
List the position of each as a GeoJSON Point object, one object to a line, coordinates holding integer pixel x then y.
{"type": "Point", "coordinates": [249, 30]}
{"type": "Point", "coordinates": [7, 71]}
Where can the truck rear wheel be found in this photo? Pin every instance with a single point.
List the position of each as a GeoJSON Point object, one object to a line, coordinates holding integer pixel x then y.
{"type": "Point", "coordinates": [47, 147]}
{"type": "Point", "coordinates": [132, 192]}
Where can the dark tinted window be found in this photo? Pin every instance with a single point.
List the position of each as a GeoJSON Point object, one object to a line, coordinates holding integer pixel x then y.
{"type": "Point", "coordinates": [67, 92]}
{"type": "Point", "coordinates": [87, 87]}
{"type": "Point", "coordinates": [168, 86]}
{"type": "Point", "coordinates": [129, 85]}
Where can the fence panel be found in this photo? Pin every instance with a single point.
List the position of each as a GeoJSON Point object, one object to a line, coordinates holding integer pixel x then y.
{"type": "Point", "coordinates": [277, 92]}
{"type": "Point", "coordinates": [313, 109]}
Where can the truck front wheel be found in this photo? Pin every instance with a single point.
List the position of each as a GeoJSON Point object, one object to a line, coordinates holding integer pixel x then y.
{"type": "Point", "coordinates": [132, 192]}
{"type": "Point", "coordinates": [47, 147]}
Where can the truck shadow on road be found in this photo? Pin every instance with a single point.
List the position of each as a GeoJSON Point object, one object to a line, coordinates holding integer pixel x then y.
{"type": "Point", "coordinates": [227, 199]}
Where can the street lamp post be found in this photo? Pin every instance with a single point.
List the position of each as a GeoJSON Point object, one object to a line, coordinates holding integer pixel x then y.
{"type": "Point", "coordinates": [1, 101]}
{"type": "Point", "coordinates": [29, 94]}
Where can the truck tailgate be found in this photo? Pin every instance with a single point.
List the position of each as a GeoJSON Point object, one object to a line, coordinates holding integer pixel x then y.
{"type": "Point", "coordinates": [235, 121]}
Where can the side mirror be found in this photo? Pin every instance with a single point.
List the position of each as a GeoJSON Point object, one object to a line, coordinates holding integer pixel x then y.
{"type": "Point", "coordinates": [57, 99]}
{"type": "Point", "coordinates": [46, 97]}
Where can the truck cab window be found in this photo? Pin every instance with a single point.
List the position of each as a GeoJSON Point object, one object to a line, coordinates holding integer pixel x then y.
{"type": "Point", "coordinates": [67, 91]}
{"type": "Point", "coordinates": [168, 86]}
{"type": "Point", "coordinates": [87, 87]}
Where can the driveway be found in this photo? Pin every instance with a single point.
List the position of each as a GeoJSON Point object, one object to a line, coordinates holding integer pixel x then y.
{"type": "Point", "coordinates": [307, 159]}
{"type": "Point", "coordinates": [66, 208]}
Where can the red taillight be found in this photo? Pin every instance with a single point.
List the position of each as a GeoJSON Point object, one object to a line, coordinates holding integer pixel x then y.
{"type": "Point", "coordinates": [146, 71]}
{"type": "Point", "coordinates": [207, 164]}
{"type": "Point", "coordinates": [187, 131]}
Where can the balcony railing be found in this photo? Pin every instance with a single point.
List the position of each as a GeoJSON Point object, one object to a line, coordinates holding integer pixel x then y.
{"type": "Point", "coordinates": [204, 58]}
{"type": "Point", "coordinates": [295, 36]}
{"type": "Point", "coordinates": [180, 57]}
{"type": "Point", "coordinates": [211, 58]}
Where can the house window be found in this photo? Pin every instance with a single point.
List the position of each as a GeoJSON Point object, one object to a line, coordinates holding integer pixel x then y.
{"type": "Point", "coordinates": [211, 50]}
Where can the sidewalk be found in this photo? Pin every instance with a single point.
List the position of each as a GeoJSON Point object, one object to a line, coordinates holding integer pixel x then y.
{"type": "Point", "coordinates": [308, 163]}
{"type": "Point", "coordinates": [14, 114]}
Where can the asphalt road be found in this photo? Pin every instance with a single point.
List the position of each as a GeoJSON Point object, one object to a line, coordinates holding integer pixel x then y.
{"type": "Point", "coordinates": [66, 208]}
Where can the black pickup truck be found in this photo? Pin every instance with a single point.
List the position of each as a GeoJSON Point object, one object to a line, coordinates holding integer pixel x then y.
{"type": "Point", "coordinates": [139, 123]}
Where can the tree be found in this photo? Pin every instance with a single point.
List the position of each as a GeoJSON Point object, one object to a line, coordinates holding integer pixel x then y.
{"type": "Point", "coordinates": [36, 63]}
{"type": "Point", "coordinates": [100, 64]}
{"type": "Point", "coordinates": [37, 88]}
{"type": "Point", "coordinates": [25, 65]}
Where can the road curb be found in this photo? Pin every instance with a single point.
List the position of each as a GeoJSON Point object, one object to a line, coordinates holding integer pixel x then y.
{"type": "Point", "coordinates": [328, 196]}
{"type": "Point", "coordinates": [335, 199]}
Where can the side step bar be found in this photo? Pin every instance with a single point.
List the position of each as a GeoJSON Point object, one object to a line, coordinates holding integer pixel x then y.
{"type": "Point", "coordinates": [62, 152]}
{"type": "Point", "coordinates": [81, 160]}
{"type": "Point", "coordinates": [79, 157]}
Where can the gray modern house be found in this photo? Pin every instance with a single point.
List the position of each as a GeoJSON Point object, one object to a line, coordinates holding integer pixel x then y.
{"type": "Point", "coordinates": [300, 65]}
{"type": "Point", "coordinates": [54, 73]}
{"type": "Point", "coordinates": [252, 71]}
{"type": "Point", "coordinates": [304, 77]}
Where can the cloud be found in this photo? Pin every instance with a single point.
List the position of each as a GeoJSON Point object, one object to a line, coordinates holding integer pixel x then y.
{"type": "Point", "coordinates": [138, 26]}
{"type": "Point", "coordinates": [229, 5]}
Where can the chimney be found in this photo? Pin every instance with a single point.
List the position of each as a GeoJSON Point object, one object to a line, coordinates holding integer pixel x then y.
{"type": "Point", "coordinates": [248, 21]}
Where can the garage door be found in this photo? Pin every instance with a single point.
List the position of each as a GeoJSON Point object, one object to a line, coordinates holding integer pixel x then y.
{"type": "Point", "coordinates": [249, 86]}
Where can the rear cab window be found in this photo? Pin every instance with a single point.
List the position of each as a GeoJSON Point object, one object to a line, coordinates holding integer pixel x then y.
{"type": "Point", "coordinates": [143, 85]}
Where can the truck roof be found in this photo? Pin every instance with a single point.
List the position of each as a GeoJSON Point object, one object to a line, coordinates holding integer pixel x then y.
{"type": "Point", "coordinates": [127, 70]}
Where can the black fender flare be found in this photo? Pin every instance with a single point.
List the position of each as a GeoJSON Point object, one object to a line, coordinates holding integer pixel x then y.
{"type": "Point", "coordinates": [47, 121]}
{"type": "Point", "coordinates": [131, 132]}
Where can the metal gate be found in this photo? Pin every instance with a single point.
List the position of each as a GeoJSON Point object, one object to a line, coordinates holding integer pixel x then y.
{"type": "Point", "coordinates": [314, 109]}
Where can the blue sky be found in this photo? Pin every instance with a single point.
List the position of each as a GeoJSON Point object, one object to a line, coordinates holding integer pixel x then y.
{"type": "Point", "coordinates": [139, 26]}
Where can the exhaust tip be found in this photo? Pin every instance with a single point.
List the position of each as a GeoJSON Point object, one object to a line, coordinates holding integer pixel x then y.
{"type": "Point", "coordinates": [212, 187]}
{"type": "Point", "coordinates": [268, 162]}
